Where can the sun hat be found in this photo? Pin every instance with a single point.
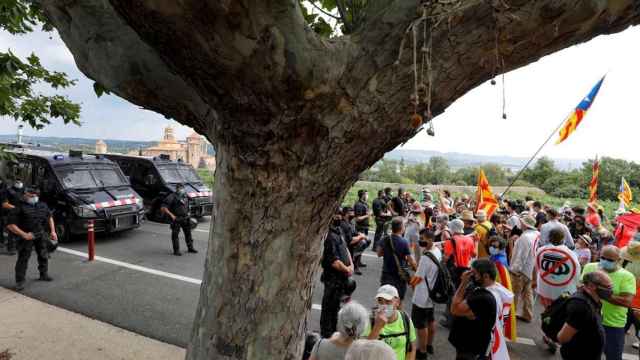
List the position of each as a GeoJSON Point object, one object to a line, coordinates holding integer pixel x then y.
{"type": "Point", "coordinates": [631, 252]}
{"type": "Point", "coordinates": [528, 221]}
{"type": "Point", "coordinates": [481, 215]}
{"type": "Point", "coordinates": [467, 215]}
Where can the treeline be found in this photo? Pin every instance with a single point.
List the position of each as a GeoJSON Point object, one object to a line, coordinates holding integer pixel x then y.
{"type": "Point", "coordinates": [542, 174]}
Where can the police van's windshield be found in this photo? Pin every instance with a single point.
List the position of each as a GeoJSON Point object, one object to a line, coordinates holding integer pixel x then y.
{"type": "Point", "coordinates": [174, 173]}
{"type": "Point", "coordinates": [84, 177]}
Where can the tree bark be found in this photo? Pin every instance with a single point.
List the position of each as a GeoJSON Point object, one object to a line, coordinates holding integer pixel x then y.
{"type": "Point", "coordinates": [262, 260]}
{"type": "Point", "coordinates": [295, 119]}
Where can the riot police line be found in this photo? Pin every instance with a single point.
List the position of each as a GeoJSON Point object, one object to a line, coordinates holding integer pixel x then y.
{"type": "Point", "coordinates": [48, 197]}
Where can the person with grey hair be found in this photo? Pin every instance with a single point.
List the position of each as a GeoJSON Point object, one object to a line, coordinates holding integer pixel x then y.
{"type": "Point", "coordinates": [353, 319]}
{"type": "Point", "coordinates": [370, 350]}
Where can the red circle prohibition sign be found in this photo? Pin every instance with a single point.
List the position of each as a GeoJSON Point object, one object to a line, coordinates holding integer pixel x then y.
{"type": "Point", "coordinates": [564, 260]}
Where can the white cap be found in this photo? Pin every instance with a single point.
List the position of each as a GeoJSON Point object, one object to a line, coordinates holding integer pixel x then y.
{"type": "Point", "coordinates": [387, 292]}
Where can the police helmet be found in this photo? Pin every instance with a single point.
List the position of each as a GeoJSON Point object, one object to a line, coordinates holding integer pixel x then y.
{"type": "Point", "coordinates": [349, 287]}
{"type": "Point", "coordinates": [193, 223]}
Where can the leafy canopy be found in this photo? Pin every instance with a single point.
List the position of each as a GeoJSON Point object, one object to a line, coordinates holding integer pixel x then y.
{"type": "Point", "coordinates": [19, 77]}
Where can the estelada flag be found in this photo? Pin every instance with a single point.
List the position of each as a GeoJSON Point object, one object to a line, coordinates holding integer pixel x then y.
{"type": "Point", "coordinates": [484, 196]}
{"type": "Point", "coordinates": [577, 115]}
{"type": "Point", "coordinates": [625, 194]}
{"type": "Point", "coordinates": [593, 185]}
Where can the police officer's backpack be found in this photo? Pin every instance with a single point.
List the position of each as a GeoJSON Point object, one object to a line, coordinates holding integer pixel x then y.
{"type": "Point", "coordinates": [443, 288]}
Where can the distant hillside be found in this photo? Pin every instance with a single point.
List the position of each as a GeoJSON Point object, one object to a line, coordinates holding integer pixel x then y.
{"type": "Point", "coordinates": [458, 160]}
{"type": "Point", "coordinates": [64, 144]}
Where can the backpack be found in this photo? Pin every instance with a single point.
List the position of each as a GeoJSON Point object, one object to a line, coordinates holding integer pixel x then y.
{"type": "Point", "coordinates": [554, 317]}
{"type": "Point", "coordinates": [406, 333]}
{"type": "Point", "coordinates": [443, 288]}
{"type": "Point", "coordinates": [491, 231]}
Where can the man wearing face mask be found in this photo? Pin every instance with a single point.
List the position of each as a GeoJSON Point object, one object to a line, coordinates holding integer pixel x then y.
{"type": "Point", "coordinates": [176, 206]}
{"type": "Point", "coordinates": [31, 221]}
{"type": "Point", "coordinates": [474, 310]}
{"type": "Point", "coordinates": [393, 326]}
{"type": "Point", "coordinates": [337, 267]}
{"type": "Point", "coordinates": [615, 308]}
{"type": "Point", "coordinates": [10, 200]}
{"type": "Point", "coordinates": [582, 335]}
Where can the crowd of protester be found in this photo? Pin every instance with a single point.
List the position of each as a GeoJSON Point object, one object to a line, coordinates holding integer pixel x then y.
{"type": "Point", "coordinates": [489, 271]}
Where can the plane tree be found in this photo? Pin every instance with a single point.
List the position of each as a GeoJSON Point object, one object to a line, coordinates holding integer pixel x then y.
{"type": "Point", "coordinates": [295, 114]}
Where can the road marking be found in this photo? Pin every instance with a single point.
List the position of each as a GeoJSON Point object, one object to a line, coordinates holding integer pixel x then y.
{"type": "Point", "coordinates": [133, 267]}
{"type": "Point", "coordinates": [200, 230]}
{"type": "Point", "coordinates": [525, 341]}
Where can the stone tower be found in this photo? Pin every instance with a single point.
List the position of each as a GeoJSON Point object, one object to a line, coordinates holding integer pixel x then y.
{"type": "Point", "coordinates": [168, 134]}
{"type": "Point", "coordinates": [194, 149]}
{"type": "Point", "coordinates": [101, 147]}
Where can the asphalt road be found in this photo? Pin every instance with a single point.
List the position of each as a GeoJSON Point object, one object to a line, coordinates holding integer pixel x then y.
{"type": "Point", "coordinates": [138, 285]}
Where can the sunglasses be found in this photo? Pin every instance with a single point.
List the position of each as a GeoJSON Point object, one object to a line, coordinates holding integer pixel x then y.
{"type": "Point", "coordinates": [604, 258]}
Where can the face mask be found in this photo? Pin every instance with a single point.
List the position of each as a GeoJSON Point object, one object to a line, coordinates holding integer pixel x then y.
{"type": "Point", "coordinates": [423, 244]}
{"type": "Point", "coordinates": [32, 200]}
{"type": "Point", "coordinates": [607, 265]}
{"type": "Point", "coordinates": [336, 222]}
{"type": "Point", "coordinates": [604, 293]}
{"type": "Point", "coordinates": [494, 251]}
{"type": "Point", "coordinates": [388, 310]}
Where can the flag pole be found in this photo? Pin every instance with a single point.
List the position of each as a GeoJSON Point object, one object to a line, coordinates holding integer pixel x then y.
{"type": "Point", "coordinates": [534, 155]}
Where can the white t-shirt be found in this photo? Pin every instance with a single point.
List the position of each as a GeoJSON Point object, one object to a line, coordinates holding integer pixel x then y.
{"type": "Point", "coordinates": [429, 269]}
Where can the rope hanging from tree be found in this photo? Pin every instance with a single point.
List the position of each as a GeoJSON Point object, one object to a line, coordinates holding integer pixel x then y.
{"type": "Point", "coordinates": [421, 97]}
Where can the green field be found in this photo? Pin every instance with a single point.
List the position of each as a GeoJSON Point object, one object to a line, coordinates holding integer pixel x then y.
{"type": "Point", "coordinates": [206, 176]}
{"type": "Point", "coordinates": [517, 193]}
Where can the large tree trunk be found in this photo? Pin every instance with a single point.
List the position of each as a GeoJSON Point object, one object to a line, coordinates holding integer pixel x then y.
{"type": "Point", "coordinates": [262, 259]}
{"type": "Point", "coordinates": [295, 119]}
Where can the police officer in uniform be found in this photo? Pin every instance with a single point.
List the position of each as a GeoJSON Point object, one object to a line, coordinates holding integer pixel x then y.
{"type": "Point", "coordinates": [32, 223]}
{"type": "Point", "coordinates": [337, 267]}
{"type": "Point", "coordinates": [10, 199]}
{"type": "Point", "coordinates": [176, 206]}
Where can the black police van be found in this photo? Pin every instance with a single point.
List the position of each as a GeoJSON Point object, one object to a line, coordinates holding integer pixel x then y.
{"type": "Point", "coordinates": [77, 188]}
{"type": "Point", "coordinates": [154, 178]}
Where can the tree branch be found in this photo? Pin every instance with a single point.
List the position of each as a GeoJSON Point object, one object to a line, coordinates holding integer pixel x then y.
{"type": "Point", "coordinates": [324, 11]}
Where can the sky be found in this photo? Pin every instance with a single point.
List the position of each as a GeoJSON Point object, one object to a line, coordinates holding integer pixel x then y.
{"type": "Point", "coordinates": [539, 97]}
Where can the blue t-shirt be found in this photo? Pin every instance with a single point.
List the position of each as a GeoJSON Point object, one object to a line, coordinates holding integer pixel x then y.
{"type": "Point", "coordinates": [401, 245]}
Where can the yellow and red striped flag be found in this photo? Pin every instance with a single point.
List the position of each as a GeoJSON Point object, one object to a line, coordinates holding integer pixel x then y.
{"type": "Point", "coordinates": [484, 196]}
{"type": "Point", "coordinates": [578, 113]}
{"type": "Point", "coordinates": [625, 194]}
{"type": "Point", "coordinates": [593, 185]}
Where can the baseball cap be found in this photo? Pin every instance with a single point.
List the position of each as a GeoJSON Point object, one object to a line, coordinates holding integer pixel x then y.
{"type": "Point", "coordinates": [387, 292]}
